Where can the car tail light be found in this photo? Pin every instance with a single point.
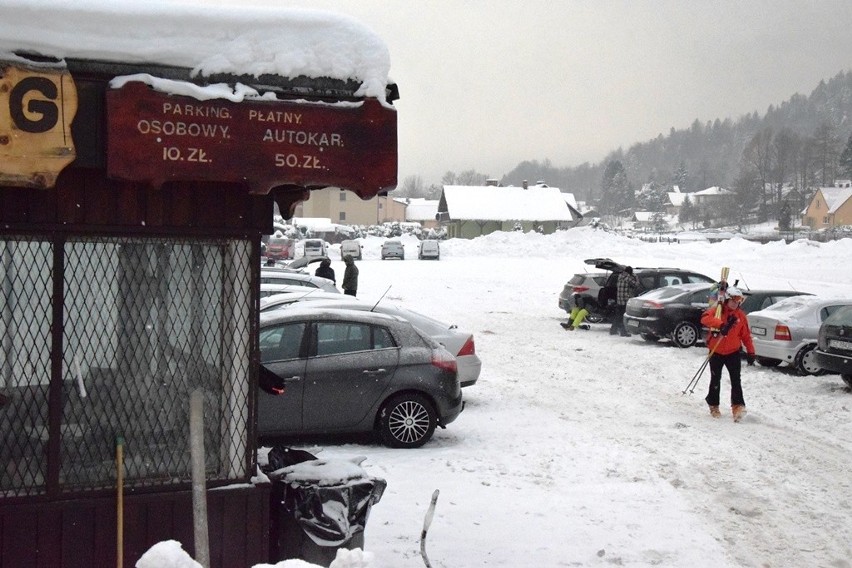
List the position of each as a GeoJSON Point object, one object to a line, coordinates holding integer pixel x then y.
{"type": "Point", "coordinates": [651, 305]}
{"type": "Point", "coordinates": [580, 289]}
{"type": "Point", "coordinates": [468, 348]}
{"type": "Point", "coordinates": [782, 333]}
{"type": "Point", "coordinates": [444, 360]}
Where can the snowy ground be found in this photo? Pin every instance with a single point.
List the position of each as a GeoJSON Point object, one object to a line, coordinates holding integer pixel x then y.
{"type": "Point", "coordinates": [579, 448]}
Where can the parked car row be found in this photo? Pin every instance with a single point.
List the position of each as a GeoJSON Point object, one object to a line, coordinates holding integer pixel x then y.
{"type": "Point", "coordinates": [807, 333]}
{"type": "Point", "coordinates": [674, 312]}
{"type": "Point", "coordinates": [596, 291]}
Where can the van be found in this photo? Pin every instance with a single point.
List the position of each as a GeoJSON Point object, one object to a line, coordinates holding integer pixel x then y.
{"type": "Point", "coordinates": [352, 248]}
{"type": "Point", "coordinates": [314, 247]}
{"type": "Point", "coordinates": [429, 249]}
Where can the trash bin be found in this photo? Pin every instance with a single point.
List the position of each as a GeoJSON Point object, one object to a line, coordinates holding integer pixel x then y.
{"type": "Point", "coordinates": [320, 506]}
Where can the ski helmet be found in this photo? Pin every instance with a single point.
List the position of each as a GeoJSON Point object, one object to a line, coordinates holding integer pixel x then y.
{"type": "Point", "coordinates": [735, 294]}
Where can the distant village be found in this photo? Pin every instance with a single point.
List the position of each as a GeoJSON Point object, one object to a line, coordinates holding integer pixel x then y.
{"type": "Point", "coordinates": [471, 211]}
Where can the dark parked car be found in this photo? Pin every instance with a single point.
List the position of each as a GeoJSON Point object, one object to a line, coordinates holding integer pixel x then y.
{"type": "Point", "coordinates": [834, 344]}
{"type": "Point", "coordinates": [598, 297]}
{"type": "Point", "coordinates": [674, 312]}
{"type": "Point", "coordinates": [327, 371]}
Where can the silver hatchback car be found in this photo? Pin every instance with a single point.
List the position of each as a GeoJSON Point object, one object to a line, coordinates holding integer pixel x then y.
{"type": "Point", "coordinates": [327, 371]}
{"type": "Point", "coordinates": [393, 249]}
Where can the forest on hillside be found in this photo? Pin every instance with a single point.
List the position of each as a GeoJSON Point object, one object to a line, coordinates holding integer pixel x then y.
{"type": "Point", "coordinates": [771, 161]}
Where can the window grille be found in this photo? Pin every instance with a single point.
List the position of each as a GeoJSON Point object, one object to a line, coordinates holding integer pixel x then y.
{"type": "Point", "coordinates": [144, 323]}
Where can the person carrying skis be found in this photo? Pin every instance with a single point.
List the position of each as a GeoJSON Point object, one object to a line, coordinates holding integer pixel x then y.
{"type": "Point", "coordinates": [729, 333]}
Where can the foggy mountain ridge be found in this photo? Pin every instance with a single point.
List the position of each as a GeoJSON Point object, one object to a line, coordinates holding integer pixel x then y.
{"type": "Point", "coordinates": [711, 153]}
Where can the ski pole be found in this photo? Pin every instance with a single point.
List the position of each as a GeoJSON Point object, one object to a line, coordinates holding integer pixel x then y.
{"type": "Point", "coordinates": [694, 382]}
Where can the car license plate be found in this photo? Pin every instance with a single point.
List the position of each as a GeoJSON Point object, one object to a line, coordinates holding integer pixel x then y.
{"type": "Point", "coordinates": [758, 330]}
{"type": "Point", "coordinates": [631, 323]}
{"type": "Point", "coordinates": [840, 344]}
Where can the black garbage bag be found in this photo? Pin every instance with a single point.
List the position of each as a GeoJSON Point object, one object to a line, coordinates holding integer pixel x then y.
{"type": "Point", "coordinates": [330, 499]}
{"type": "Point", "coordinates": [281, 456]}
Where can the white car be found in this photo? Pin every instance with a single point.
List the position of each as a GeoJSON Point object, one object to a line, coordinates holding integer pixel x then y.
{"type": "Point", "coordinates": [459, 343]}
{"type": "Point", "coordinates": [393, 249]}
{"type": "Point", "coordinates": [787, 332]}
{"type": "Point", "coordinates": [300, 294]}
{"type": "Point", "coordinates": [311, 247]}
{"type": "Point", "coordinates": [288, 278]}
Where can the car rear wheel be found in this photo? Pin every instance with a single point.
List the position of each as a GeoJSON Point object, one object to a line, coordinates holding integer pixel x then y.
{"type": "Point", "coordinates": [768, 362]}
{"type": "Point", "coordinates": [685, 334]}
{"type": "Point", "coordinates": [805, 361]}
{"type": "Point", "coordinates": [407, 421]}
{"type": "Point", "coordinates": [649, 337]}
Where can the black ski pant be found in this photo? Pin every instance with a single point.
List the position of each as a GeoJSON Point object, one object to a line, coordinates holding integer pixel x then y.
{"type": "Point", "coordinates": [618, 320]}
{"type": "Point", "coordinates": [733, 363]}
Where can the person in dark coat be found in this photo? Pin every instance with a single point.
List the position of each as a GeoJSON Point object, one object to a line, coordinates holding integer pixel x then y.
{"type": "Point", "coordinates": [625, 289]}
{"type": "Point", "coordinates": [326, 271]}
{"type": "Point", "coordinates": [350, 276]}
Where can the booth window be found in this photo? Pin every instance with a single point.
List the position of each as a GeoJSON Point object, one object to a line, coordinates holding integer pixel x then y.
{"type": "Point", "coordinates": [145, 322]}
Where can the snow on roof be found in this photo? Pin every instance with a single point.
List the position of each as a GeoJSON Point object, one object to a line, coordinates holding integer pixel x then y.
{"type": "Point", "coordinates": [420, 209]}
{"type": "Point", "coordinates": [488, 203]}
{"type": "Point", "coordinates": [835, 197]}
{"type": "Point", "coordinates": [715, 190]}
{"type": "Point", "coordinates": [570, 200]}
{"type": "Point", "coordinates": [208, 39]}
{"type": "Point", "coordinates": [676, 198]}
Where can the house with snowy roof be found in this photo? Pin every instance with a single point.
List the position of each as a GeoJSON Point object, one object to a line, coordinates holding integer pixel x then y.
{"type": "Point", "coordinates": [675, 200]}
{"type": "Point", "coordinates": [830, 206]}
{"type": "Point", "coordinates": [472, 211]}
{"type": "Point", "coordinates": [423, 211]}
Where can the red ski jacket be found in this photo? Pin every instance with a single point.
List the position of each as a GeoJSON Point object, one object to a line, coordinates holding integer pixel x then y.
{"type": "Point", "coordinates": [739, 335]}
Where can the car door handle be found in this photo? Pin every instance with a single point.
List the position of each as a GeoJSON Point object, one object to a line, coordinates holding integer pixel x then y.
{"type": "Point", "coordinates": [375, 371]}
{"type": "Point", "coordinates": [292, 379]}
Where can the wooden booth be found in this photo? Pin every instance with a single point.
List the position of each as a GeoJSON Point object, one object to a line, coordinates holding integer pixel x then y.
{"type": "Point", "coordinates": [130, 226]}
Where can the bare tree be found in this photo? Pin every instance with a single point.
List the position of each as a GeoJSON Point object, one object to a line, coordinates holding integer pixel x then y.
{"type": "Point", "coordinates": [412, 186]}
{"type": "Point", "coordinates": [827, 151]}
{"type": "Point", "coordinates": [757, 158]}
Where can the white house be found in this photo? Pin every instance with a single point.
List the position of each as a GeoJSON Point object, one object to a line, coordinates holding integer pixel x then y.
{"type": "Point", "coordinates": [471, 211]}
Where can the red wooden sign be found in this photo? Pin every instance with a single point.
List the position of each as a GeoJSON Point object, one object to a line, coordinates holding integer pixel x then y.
{"type": "Point", "coordinates": [156, 137]}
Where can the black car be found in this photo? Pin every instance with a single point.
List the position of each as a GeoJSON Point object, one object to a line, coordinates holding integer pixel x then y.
{"type": "Point", "coordinates": [330, 371]}
{"type": "Point", "coordinates": [598, 297]}
{"type": "Point", "coordinates": [834, 344]}
{"type": "Point", "coordinates": [675, 311]}
{"type": "Point", "coordinates": [672, 311]}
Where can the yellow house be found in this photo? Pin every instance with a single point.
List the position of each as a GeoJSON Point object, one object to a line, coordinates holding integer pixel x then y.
{"type": "Point", "coordinates": [346, 208]}
{"type": "Point", "coordinates": [830, 206]}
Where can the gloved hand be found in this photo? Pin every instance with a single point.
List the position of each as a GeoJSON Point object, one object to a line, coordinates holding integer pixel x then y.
{"type": "Point", "coordinates": [750, 360]}
{"type": "Point", "coordinates": [726, 327]}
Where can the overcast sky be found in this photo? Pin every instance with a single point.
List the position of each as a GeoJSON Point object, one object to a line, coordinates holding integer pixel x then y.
{"type": "Point", "coordinates": [486, 84]}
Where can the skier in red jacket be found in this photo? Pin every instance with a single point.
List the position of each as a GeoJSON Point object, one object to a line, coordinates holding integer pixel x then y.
{"type": "Point", "coordinates": [729, 333]}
